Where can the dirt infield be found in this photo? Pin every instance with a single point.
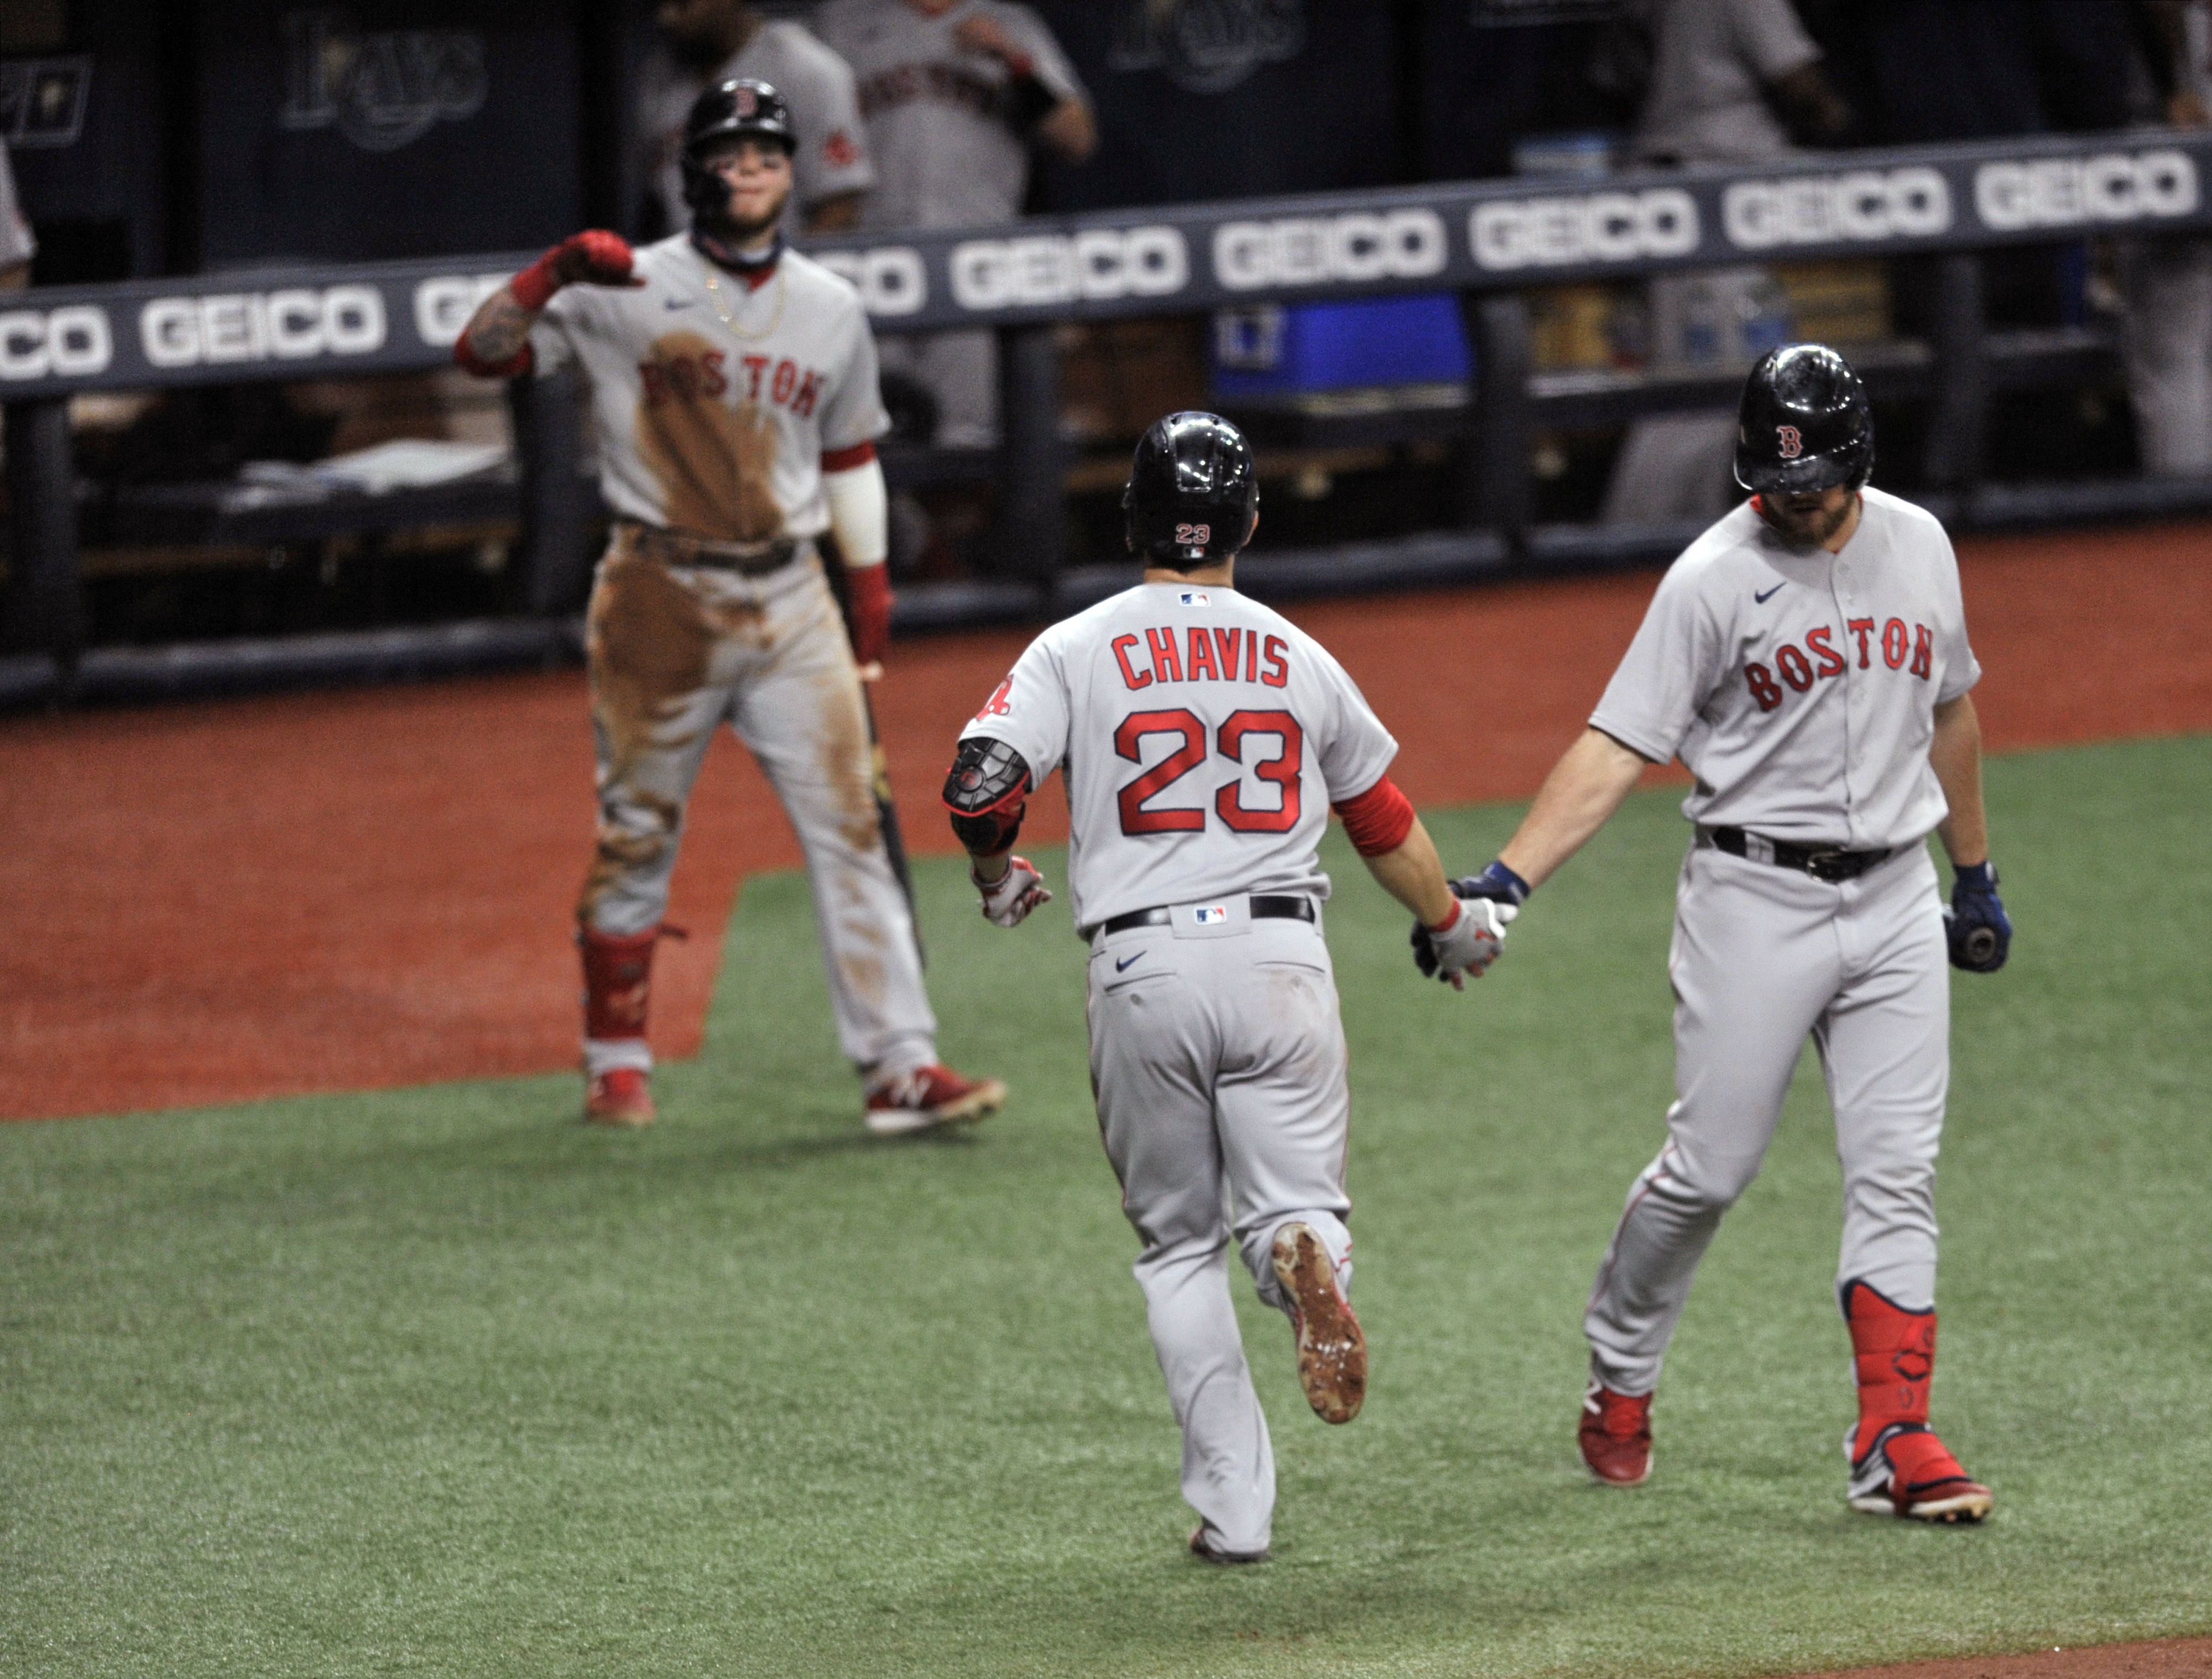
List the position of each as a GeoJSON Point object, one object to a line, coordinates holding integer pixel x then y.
{"type": "Point", "coordinates": [350, 890]}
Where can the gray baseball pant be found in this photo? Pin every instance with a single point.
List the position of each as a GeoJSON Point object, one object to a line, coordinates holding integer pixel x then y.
{"type": "Point", "coordinates": [675, 651]}
{"type": "Point", "coordinates": [1218, 1060]}
{"type": "Point", "coordinates": [1762, 957]}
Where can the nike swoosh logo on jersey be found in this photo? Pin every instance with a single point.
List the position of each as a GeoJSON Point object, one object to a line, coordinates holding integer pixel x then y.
{"type": "Point", "coordinates": [1763, 598]}
{"type": "Point", "coordinates": [675, 302]}
{"type": "Point", "coordinates": [1122, 967]}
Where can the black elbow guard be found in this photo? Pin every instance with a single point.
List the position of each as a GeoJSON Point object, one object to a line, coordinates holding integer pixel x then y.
{"type": "Point", "coordinates": [985, 791]}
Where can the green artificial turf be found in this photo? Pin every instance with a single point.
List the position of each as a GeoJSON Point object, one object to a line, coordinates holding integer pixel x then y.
{"type": "Point", "coordinates": [438, 1381]}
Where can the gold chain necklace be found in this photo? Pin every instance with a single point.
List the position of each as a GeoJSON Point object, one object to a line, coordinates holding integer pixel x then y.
{"type": "Point", "coordinates": [714, 293]}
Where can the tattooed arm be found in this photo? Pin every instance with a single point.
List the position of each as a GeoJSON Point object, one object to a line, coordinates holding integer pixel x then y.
{"type": "Point", "coordinates": [495, 342]}
{"type": "Point", "coordinates": [497, 335]}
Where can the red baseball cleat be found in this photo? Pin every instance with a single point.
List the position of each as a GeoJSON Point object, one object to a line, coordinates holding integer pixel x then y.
{"type": "Point", "coordinates": [623, 1097]}
{"type": "Point", "coordinates": [930, 1098]}
{"type": "Point", "coordinates": [1908, 1472]}
{"type": "Point", "coordinates": [1616, 1434]}
{"type": "Point", "coordinates": [1332, 1351]}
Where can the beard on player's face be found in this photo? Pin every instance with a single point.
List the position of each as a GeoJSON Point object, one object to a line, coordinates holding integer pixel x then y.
{"type": "Point", "coordinates": [1810, 520]}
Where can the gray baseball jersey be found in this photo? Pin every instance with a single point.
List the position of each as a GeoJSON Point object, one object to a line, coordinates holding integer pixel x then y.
{"type": "Point", "coordinates": [1800, 688]}
{"type": "Point", "coordinates": [1203, 739]}
{"type": "Point", "coordinates": [1713, 58]}
{"type": "Point", "coordinates": [944, 154]}
{"type": "Point", "coordinates": [715, 404]}
{"type": "Point", "coordinates": [831, 157]}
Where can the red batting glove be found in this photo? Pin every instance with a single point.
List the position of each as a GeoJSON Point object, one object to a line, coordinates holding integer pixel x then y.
{"type": "Point", "coordinates": [597, 258]}
{"type": "Point", "coordinates": [869, 589]}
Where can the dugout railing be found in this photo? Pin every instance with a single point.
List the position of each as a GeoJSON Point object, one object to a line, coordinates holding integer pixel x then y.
{"type": "Point", "coordinates": [1489, 242]}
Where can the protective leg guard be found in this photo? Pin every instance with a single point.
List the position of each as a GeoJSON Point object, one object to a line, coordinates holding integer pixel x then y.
{"type": "Point", "coordinates": [617, 988]}
{"type": "Point", "coordinates": [1898, 1465]}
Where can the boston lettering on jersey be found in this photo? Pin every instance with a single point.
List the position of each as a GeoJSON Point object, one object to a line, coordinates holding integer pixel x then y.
{"type": "Point", "coordinates": [1899, 643]}
{"type": "Point", "coordinates": [678, 375]}
{"type": "Point", "coordinates": [1206, 655]}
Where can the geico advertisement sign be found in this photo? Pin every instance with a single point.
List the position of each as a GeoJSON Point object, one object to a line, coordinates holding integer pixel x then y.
{"type": "Point", "coordinates": [893, 279]}
{"type": "Point", "coordinates": [258, 326]}
{"type": "Point", "coordinates": [68, 342]}
{"type": "Point", "coordinates": [2076, 191]}
{"type": "Point", "coordinates": [1094, 266]}
{"type": "Point", "coordinates": [1861, 204]}
{"type": "Point", "coordinates": [1315, 250]}
{"type": "Point", "coordinates": [1555, 231]}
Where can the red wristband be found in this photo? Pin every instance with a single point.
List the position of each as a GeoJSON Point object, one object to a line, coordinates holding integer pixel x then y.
{"type": "Point", "coordinates": [1378, 820]}
{"type": "Point", "coordinates": [869, 589]}
{"type": "Point", "coordinates": [533, 288]}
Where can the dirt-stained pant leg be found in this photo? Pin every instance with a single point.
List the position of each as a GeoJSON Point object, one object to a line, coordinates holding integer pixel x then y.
{"type": "Point", "coordinates": [1756, 958]}
{"type": "Point", "coordinates": [657, 695]}
{"type": "Point", "coordinates": [1886, 1045]}
{"type": "Point", "coordinates": [798, 709]}
{"type": "Point", "coordinates": [1219, 1066]}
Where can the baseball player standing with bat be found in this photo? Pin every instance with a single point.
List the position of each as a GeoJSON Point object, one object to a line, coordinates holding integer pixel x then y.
{"type": "Point", "coordinates": [733, 384]}
{"type": "Point", "coordinates": [1204, 739]}
{"type": "Point", "coordinates": [1807, 659]}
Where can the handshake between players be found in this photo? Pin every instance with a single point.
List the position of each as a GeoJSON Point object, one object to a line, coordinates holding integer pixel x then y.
{"type": "Point", "coordinates": [1203, 739]}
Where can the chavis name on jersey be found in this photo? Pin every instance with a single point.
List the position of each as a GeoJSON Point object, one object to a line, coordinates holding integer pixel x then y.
{"type": "Point", "coordinates": [1900, 645]}
{"type": "Point", "coordinates": [675, 375]}
{"type": "Point", "coordinates": [1202, 655]}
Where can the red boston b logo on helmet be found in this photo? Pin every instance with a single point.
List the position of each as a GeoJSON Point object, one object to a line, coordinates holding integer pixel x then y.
{"type": "Point", "coordinates": [1793, 442]}
{"type": "Point", "coordinates": [747, 102]}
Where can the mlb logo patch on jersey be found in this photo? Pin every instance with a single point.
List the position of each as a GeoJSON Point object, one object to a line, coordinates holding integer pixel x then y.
{"type": "Point", "coordinates": [1195, 598]}
{"type": "Point", "coordinates": [1207, 914]}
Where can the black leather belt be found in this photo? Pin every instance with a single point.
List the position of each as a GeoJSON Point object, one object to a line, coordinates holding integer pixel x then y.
{"type": "Point", "coordinates": [747, 560]}
{"type": "Point", "coordinates": [1266, 907]}
{"type": "Point", "coordinates": [1821, 862]}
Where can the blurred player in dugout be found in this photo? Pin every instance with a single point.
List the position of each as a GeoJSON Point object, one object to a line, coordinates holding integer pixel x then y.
{"type": "Point", "coordinates": [955, 94]}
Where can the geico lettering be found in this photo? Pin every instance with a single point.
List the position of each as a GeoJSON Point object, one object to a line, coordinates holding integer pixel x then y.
{"type": "Point", "coordinates": [255, 326]}
{"type": "Point", "coordinates": [68, 342]}
{"type": "Point", "coordinates": [892, 280]}
{"type": "Point", "coordinates": [1313, 250]}
{"type": "Point", "coordinates": [2069, 191]}
{"type": "Point", "coordinates": [442, 305]}
{"type": "Point", "coordinates": [1595, 227]}
{"type": "Point", "coordinates": [1053, 268]}
{"type": "Point", "coordinates": [1823, 209]}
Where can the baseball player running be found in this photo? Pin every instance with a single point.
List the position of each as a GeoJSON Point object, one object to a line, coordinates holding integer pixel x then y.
{"type": "Point", "coordinates": [733, 383]}
{"type": "Point", "coordinates": [1203, 739]}
{"type": "Point", "coordinates": [1807, 659]}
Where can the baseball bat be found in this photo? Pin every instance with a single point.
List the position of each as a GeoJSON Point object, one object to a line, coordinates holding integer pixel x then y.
{"type": "Point", "coordinates": [879, 774]}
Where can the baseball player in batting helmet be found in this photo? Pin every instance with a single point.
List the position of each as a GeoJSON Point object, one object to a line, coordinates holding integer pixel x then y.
{"type": "Point", "coordinates": [733, 385]}
{"type": "Point", "coordinates": [1204, 741]}
{"type": "Point", "coordinates": [1806, 660]}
